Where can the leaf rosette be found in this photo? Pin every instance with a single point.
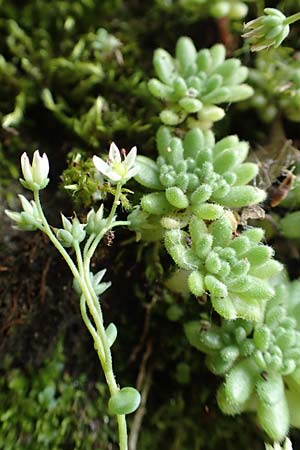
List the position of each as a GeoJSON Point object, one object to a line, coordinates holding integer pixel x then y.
{"type": "Point", "coordinates": [193, 83]}
{"type": "Point", "coordinates": [234, 271]}
{"type": "Point", "coordinates": [261, 362]}
{"type": "Point", "coordinates": [197, 176]}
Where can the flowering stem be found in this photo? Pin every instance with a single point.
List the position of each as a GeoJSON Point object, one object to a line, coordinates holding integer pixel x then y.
{"type": "Point", "coordinates": [89, 297]}
{"type": "Point", "coordinates": [88, 243]}
{"type": "Point", "coordinates": [99, 335]}
{"type": "Point", "coordinates": [115, 203]}
{"type": "Point", "coordinates": [292, 19]}
{"type": "Point", "coordinates": [47, 230]}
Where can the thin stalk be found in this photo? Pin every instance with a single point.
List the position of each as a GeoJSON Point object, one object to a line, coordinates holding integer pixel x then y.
{"type": "Point", "coordinates": [88, 298]}
{"type": "Point", "coordinates": [88, 244]}
{"type": "Point", "coordinates": [47, 230]}
{"type": "Point", "coordinates": [85, 276]}
{"type": "Point", "coordinates": [292, 19]}
{"type": "Point", "coordinates": [108, 223]}
{"type": "Point", "coordinates": [89, 325]}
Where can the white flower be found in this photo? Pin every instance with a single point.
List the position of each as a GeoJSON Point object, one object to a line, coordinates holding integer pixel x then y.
{"type": "Point", "coordinates": [116, 169]}
{"type": "Point", "coordinates": [35, 175]}
{"type": "Point", "coordinates": [28, 219]}
{"type": "Point", "coordinates": [287, 445]}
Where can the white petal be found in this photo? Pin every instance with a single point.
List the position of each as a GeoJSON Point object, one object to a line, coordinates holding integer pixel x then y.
{"type": "Point", "coordinates": [26, 168]}
{"type": "Point", "coordinates": [26, 205]}
{"type": "Point", "coordinates": [37, 167]}
{"type": "Point", "coordinates": [288, 445]}
{"type": "Point", "coordinates": [132, 172]}
{"type": "Point", "coordinates": [101, 165]}
{"type": "Point", "coordinates": [130, 158]}
{"type": "Point", "coordinates": [113, 176]}
{"type": "Point", "coordinates": [114, 153]}
{"type": "Point", "coordinates": [40, 167]}
{"type": "Point", "coordinates": [13, 215]}
{"type": "Point", "coordinates": [45, 165]}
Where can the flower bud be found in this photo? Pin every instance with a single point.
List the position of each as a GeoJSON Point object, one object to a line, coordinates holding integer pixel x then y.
{"type": "Point", "coordinates": [35, 175]}
{"type": "Point", "coordinates": [95, 222]}
{"type": "Point", "coordinates": [65, 237]}
{"type": "Point", "coordinates": [78, 231]}
{"type": "Point", "coordinates": [267, 31]}
{"type": "Point", "coordinates": [23, 220]}
{"type": "Point", "coordinates": [28, 219]}
{"type": "Point", "coordinates": [67, 224]}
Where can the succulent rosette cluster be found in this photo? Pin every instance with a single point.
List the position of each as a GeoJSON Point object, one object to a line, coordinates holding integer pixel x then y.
{"type": "Point", "coordinates": [276, 83]}
{"type": "Point", "coordinates": [260, 362]}
{"type": "Point", "coordinates": [233, 270]}
{"type": "Point", "coordinates": [193, 83]}
{"type": "Point", "coordinates": [197, 176]}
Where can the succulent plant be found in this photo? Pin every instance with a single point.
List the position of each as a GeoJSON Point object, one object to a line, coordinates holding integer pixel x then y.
{"type": "Point", "coordinates": [197, 176]}
{"type": "Point", "coordinates": [193, 83]}
{"type": "Point", "coordinates": [233, 270]}
{"type": "Point", "coordinates": [276, 83]}
{"type": "Point", "coordinates": [260, 362]}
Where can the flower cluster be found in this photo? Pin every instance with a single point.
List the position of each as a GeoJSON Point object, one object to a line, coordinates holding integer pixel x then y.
{"type": "Point", "coordinates": [261, 362]}
{"type": "Point", "coordinates": [36, 178]}
{"type": "Point", "coordinates": [197, 175]}
{"type": "Point", "coordinates": [235, 271]}
{"type": "Point", "coordinates": [194, 82]}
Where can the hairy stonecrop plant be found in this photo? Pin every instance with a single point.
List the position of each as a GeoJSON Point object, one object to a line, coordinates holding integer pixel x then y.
{"type": "Point", "coordinates": [193, 83]}
{"type": "Point", "coordinates": [260, 362]}
{"type": "Point", "coordinates": [196, 176]}
{"type": "Point", "coordinates": [196, 180]}
{"type": "Point", "coordinates": [276, 83]}
{"type": "Point", "coordinates": [234, 271]}
{"type": "Point", "coordinates": [83, 239]}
